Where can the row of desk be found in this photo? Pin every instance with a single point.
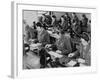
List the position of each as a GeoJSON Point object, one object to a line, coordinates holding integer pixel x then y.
{"type": "Point", "coordinates": [64, 60]}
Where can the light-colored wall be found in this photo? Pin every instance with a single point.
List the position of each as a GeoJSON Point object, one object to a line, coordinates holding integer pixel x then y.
{"type": "Point", "coordinates": [30, 16]}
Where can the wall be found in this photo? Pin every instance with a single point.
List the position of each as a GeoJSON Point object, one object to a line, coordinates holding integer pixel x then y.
{"type": "Point", "coordinates": [30, 16]}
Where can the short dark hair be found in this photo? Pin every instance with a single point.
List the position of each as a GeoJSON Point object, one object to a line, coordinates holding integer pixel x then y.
{"type": "Point", "coordinates": [54, 47]}
{"type": "Point", "coordinates": [53, 16]}
{"type": "Point", "coordinates": [43, 14]}
{"type": "Point", "coordinates": [62, 32]}
{"type": "Point", "coordinates": [38, 24]}
{"type": "Point", "coordinates": [34, 22]}
{"type": "Point", "coordinates": [42, 52]}
{"type": "Point", "coordinates": [85, 36]}
{"type": "Point", "coordinates": [74, 13]}
{"type": "Point", "coordinates": [63, 16]}
{"type": "Point", "coordinates": [89, 21]}
{"type": "Point", "coordinates": [66, 13]}
{"type": "Point", "coordinates": [83, 15]}
{"type": "Point", "coordinates": [41, 25]}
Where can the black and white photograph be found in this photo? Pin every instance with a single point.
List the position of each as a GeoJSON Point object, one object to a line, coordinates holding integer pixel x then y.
{"type": "Point", "coordinates": [53, 39]}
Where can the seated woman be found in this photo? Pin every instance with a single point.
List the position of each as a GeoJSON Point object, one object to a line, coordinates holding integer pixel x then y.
{"type": "Point", "coordinates": [64, 43]}
{"type": "Point", "coordinates": [29, 34]}
{"type": "Point", "coordinates": [86, 48]}
{"type": "Point", "coordinates": [83, 49]}
{"type": "Point", "coordinates": [43, 35]}
{"type": "Point", "coordinates": [33, 33]}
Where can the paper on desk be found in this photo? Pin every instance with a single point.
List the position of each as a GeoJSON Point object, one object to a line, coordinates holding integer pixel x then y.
{"type": "Point", "coordinates": [72, 63]}
{"type": "Point", "coordinates": [58, 51]}
{"type": "Point", "coordinates": [34, 46]}
{"type": "Point", "coordinates": [49, 28]}
{"type": "Point", "coordinates": [80, 60]}
{"type": "Point", "coordinates": [55, 54]}
{"type": "Point", "coordinates": [56, 36]}
{"type": "Point", "coordinates": [50, 32]}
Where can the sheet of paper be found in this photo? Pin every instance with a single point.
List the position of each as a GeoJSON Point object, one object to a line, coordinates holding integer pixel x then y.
{"type": "Point", "coordinates": [55, 54]}
{"type": "Point", "coordinates": [58, 51]}
{"type": "Point", "coordinates": [50, 32]}
{"type": "Point", "coordinates": [55, 36]}
{"type": "Point", "coordinates": [72, 63]}
{"type": "Point", "coordinates": [80, 60]}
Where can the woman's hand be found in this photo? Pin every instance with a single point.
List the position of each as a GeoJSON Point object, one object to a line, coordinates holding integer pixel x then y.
{"type": "Point", "coordinates": [71, 55]}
